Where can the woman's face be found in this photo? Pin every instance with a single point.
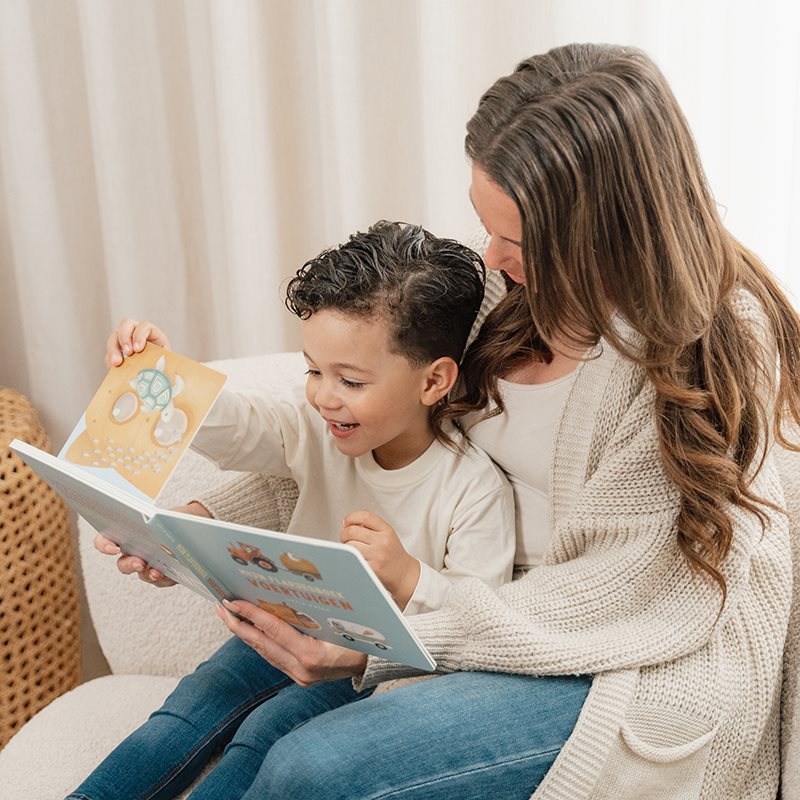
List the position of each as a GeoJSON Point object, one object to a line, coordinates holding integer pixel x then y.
{"type": "Point", "coordinates": [500, 217]}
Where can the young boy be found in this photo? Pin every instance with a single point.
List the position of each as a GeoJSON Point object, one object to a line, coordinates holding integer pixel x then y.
{"type": "Point", "coordinates": [386, 317]}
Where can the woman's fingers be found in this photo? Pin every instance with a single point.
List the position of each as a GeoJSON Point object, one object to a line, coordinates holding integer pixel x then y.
{"type": "Point", "coordinates": [302, 658]}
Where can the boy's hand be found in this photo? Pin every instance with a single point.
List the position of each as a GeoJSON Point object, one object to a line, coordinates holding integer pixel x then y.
{"type": "Point", "coordinates": [377, 541]}
{"type": "Point", "coordinates": [128, 564]}
{"type": "Point", "coordinates": [130, 337]}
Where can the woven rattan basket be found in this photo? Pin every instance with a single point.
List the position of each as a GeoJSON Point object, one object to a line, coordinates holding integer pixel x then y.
{"type": "Point", "coordinates": [39, 611]}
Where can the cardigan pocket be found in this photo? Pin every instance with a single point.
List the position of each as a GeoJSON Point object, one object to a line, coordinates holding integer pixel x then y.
{"type": "Point", "coordinates": [660, 753]}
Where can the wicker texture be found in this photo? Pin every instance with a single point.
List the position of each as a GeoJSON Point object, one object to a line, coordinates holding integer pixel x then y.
{"type": "Point", "coordinates": [39, 606]}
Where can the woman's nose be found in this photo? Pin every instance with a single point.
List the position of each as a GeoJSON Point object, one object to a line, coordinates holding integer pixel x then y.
{"type": "Point", "coordinates": [493, 257]}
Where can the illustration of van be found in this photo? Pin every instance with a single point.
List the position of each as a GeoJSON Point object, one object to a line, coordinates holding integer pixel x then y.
{"type": "Point", "coordinates": [300, 566]}
{"type": "Point", "coordinates": [354, 632]}
{"type": "Point", "coordinates": [288, 614]}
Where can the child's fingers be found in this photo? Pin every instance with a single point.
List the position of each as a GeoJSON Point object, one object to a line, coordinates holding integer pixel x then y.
{"type": "Point", "coordinates": [127, 565]}
{"type": "Point", "coordinates": [130, 337]}
{"type": "Point", "coordinates": [352, 534]}
{"type": "Point", "coordinates": [113, 351]}
{"type": "Point", "coordinates": [125, 331]}
{"type": "Point", "coordinates": [155, 578]}
{"type": "Point", "coordinates": [105, 545]}
{"type": "Point", "coordinates": [366, 519]}
{"type": "Point", "coordinates": [144, 332]}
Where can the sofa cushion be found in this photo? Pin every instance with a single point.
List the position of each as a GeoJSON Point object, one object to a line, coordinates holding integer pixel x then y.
{"type": "Point", "coordinates": [63, 743]}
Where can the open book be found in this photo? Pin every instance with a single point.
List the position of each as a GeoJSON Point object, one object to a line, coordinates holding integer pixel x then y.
{"type": "Point", "coordinates": [114, 465]}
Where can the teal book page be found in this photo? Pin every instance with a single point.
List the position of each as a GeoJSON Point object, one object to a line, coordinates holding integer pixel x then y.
{"type": "Point", "coordinates": [324, 589]}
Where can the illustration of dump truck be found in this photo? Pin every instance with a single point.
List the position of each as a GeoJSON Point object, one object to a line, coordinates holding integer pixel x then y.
{"type": "Point", "coordinates": [354, 632]}
{"type": "Point", "coordinates": [245, 554]}
{"type": "Point", "coordinates": [300, 566]}
{"type": "Point", "coordinates": [288, 614]}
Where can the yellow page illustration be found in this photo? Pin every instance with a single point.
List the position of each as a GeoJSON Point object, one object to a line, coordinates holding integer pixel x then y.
{"type": "Point", "coordinates": [142, 419]}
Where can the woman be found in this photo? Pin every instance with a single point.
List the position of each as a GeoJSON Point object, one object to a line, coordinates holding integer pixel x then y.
{"type": "Point", "coordinates": [660, 564]}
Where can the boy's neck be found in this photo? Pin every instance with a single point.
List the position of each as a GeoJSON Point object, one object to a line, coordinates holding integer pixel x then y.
{"type": "Point", "coordinates": [400, 453]}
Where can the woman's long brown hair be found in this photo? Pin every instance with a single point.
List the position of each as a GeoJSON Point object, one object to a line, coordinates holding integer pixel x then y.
{"type": "Point", "coordinates": [593, 148]}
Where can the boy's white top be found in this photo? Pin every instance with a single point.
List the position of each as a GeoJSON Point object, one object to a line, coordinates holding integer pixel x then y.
{"type": "Point", "coordinates": [454, 512]}
{"type": "Point", "coordinates": [520, 440]}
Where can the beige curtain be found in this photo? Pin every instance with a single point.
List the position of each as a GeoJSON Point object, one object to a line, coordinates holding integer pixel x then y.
{"type": "Point", "coordinates": [178, 160]}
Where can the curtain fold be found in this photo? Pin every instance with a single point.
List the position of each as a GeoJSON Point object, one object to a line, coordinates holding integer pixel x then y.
{"type": "Point", "coordinates": [179, 159]}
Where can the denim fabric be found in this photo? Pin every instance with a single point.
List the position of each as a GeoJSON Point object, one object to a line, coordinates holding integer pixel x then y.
{"type": "Point", "coordinates": [465, 735]}
{"type": "Point", "coordinates": [221, 703]}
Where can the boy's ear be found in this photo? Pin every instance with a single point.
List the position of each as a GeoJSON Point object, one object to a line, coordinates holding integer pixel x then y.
{"type": "Point", "coordinates": [440, 376]}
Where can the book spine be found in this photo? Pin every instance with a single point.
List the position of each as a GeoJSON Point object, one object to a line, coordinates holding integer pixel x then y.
{"type": "Point", "coordinates": [204, 580]}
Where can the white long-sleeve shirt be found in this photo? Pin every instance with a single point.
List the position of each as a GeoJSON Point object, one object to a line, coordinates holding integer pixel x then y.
{"type": "Point", "coordinates": [454, 512]}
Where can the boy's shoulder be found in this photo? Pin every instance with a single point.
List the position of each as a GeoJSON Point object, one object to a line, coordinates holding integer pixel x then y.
{"type": "Point", "coordinates": [469, 458]}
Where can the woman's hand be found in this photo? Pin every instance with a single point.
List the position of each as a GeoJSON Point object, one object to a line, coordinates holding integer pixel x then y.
{"type": "Point", "coordinates": [304, 659]}
{"type": "Point", "coordinates": [128, 564]}
{"type": "Point", "coordinates": [131, 337]}
{"type": "Point", "coordinates": [380, 545]}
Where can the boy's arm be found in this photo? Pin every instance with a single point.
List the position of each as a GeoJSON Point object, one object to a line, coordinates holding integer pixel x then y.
{"type": "Point", "coordinates": [250, 433]}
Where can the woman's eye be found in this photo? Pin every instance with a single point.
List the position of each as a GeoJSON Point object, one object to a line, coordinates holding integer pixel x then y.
{"type": "Point", "coordinates": [312, 372]}
{"type": "Point", "coordinates": [352, 384]}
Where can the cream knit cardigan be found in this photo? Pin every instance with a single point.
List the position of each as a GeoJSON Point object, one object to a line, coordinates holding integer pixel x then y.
{"type": "Point", "coordinates": [683, 704]}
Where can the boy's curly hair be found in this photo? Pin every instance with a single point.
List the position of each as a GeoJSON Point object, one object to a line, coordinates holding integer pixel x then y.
{"type": "Point", "coordinates": [427, 290]}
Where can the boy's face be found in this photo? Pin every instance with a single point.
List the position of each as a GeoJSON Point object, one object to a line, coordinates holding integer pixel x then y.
{"type": "Point", "coordinates": [369, 396]}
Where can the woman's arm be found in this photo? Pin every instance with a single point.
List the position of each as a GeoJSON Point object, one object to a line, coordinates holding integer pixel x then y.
{"type": "Point", "coordinates": [615, 591]}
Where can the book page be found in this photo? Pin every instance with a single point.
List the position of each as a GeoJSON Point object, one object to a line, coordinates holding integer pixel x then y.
{"type": "Point", "coordinates": [324, 589]}
{"type": "Point", "coordinates": [141, 420]}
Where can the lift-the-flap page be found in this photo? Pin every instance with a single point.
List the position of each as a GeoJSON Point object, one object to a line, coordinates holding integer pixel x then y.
{"type": "Point", "coordinates": [141, 420]}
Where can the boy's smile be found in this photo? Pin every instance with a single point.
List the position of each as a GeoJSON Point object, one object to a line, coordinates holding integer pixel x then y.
{"type": "Point", "coordinates": [370, 397]}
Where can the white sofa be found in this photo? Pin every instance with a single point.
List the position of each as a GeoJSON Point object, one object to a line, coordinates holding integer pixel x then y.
{"type": "Point", "coordinates": [151, 637]}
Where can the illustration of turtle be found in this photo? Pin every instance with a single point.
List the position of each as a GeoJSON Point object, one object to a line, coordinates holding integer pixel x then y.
{"type": "Point", "coordinates": [154, 394]}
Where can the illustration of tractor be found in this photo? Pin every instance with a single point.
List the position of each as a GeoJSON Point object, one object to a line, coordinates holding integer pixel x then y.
{"type": "Point", "coordinates": [354, 632]}
{"type": "Point", "coordinates": [244, 554]}
{"type": "Point", "coordinates": [291, 615]}
{"type": "Point", "coordinates": [300, 566]}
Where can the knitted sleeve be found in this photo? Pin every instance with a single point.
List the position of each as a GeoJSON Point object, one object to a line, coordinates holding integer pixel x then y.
{"type": "Point", "coordinates": [614, 592]}
{"type": "Point", "coordinates": [262, 501]}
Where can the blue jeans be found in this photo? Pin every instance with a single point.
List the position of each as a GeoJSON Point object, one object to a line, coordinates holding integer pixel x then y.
{"type": "Point", "coordinates": [223, 702]}
{"type": "Point", "coordinates": [465, 735]}
{"type": "Point", "coordinates": [469, 735]}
